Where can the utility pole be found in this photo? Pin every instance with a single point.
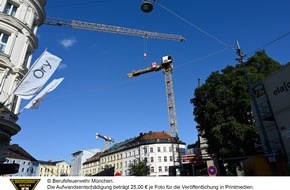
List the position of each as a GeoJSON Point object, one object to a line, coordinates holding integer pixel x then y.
{"type": "Point", "coordinates": [269, 153]}
{"type": "Point", "coordinates": [258, 114]}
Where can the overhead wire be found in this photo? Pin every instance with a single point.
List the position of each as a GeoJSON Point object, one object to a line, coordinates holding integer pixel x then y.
{"type": "Point", "coordinates": [196, 27]}
{"type": "Point", "coordinates": [77, 4]}
{"type": "Point", "coordinates": [268, 44]}
{"type": "Point", "coordinates": [101, 89]}
{"type": "Point", "coordinates": [181, 65]}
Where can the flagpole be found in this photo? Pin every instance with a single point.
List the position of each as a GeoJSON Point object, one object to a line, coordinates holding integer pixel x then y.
{"type": "Point", "coordinates": [3, 104]}
{"type": "Point", "coordinates": [20, 111]}
{"type": "Point", "coordinates": [29, 69]}
{"type": "Point", "coordinates": [36, 101]}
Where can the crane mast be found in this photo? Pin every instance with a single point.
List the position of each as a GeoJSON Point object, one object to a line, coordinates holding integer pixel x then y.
{"type": "Point", "coordinates": [106, 138]}
{"type": "Point", "coordinates": [167, 67]}
{"type": "Point", "coordinates": [112, 29]}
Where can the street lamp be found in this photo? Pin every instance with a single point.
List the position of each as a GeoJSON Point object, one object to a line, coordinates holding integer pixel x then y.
{"type": "Point", "coordinates": [147, 5]}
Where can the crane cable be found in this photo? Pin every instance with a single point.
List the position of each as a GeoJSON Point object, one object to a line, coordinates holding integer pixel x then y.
{"type": "Point", "coordinates": [145, 47]}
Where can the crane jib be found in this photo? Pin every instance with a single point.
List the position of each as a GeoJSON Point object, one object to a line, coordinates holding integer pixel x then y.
{"type": "Point", "coordinates": [111, 29]}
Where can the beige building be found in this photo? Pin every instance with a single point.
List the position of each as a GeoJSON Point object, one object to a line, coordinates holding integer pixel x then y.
{"type": "Point", "coordinates": [53, 169]}
{"type": "Point", "coordinates": [92, 165]}
{"type": "Point", "coordinates": [155, 147]}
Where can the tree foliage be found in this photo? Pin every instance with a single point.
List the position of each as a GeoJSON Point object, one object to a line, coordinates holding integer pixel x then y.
{"type": "Point", "coordinates": [139, 168]}
{"type": "Point", "coordinates": [222, 107]}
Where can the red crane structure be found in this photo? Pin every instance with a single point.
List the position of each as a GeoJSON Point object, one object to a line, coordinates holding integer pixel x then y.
{"type": "Point", "coordinates": [167, 68]}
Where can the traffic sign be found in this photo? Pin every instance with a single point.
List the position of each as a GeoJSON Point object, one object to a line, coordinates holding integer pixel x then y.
{"type": "Point", "coordinates": [212, 170]}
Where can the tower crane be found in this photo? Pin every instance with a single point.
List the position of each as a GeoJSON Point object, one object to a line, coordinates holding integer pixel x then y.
{"type": "Point", "coordinates": [109, 28]}
{"type": "Point", "coordinates": [167, 67]}
{"type": "Point", "coordinates": [106, 138]}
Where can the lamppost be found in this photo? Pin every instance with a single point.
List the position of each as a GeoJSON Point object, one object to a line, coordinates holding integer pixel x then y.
{"type": "Point", "coordinates": [147, 5]}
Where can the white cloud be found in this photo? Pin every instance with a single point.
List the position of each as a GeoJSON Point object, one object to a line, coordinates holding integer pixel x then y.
{"type": "Point", "coordinates": [68, 42]}
{"type": "Point", "coordinates": [62, 66]}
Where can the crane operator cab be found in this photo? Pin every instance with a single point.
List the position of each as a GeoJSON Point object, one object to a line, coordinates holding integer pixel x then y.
{"type": "Point", "coordinates": [166, 61]}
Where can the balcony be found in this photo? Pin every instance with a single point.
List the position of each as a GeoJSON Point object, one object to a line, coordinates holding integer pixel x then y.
{"type": "Point", "coordinates": [8, 126]}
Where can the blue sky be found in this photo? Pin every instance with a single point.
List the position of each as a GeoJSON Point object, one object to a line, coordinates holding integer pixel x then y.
{"type": "Point", "coordinates": [96, 96]}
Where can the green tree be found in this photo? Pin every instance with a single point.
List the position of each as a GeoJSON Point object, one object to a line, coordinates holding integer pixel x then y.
{"type": "Point", "coordinates": [139, 168]}
{"type": "Point", "coordinates": [222, 107]}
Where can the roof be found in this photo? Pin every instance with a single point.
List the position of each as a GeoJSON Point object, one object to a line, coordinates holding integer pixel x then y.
{"type": "Point", "coordinates": [154, 135]}
{"type": "Point", "coordinates": [143, 138]}
{"type": "Point", "coordinates": [17, 152]}
{"type": "Point", "coordinates": [94, 158]}
{"type": "Point", "coordinates": [49, 162]}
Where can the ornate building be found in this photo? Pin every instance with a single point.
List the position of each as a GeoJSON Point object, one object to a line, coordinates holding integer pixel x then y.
{"type": "Point", "coordinates": [19, 21]}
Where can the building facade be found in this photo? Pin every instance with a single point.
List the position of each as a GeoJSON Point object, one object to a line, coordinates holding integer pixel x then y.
{"type": "Point", "coordinates": [274, 108]}
{"type": "Point", "coordinates": [78, 158]}
{"type": "Point", "coordinates": [28, 165]}
{"type": "Point", "coordinates": [92, 165]}
{"type": "Point", "coordinates": [19, 21]}
{"type": "Point", "coordinates": [156, 147]}
{"type": "Point", "coordinates": [53, 168]}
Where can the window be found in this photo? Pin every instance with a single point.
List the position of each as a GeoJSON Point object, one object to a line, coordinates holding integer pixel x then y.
{"type": "Point", "coordinates": [151, 169]}
{"type": "Point", "coordinates": [151, 149]}
{"type": "Point", "coordinates": [158, 149]}
{"type": "Point", "coordinates": [166, 168]}
{"type": "Point", "coordinates": [152, 159]}
{"type": "Point", "coordinates": [170, 149]}
{"type": "Point", "coordinates": [170, 158]}
{"type": "Point", "coordinates": [159, 158]}
{"type": "Point", "coordinates": [165, 158]}
{"type": "Point", "coordinates": [145, 150]}
{"type": "Point", "coordinates": [3, 42]}
{"type": "Point", "coordinates": [10, 9]}
{"type": "Point", "coordinates": [160, 169]}
{"type": "Point", "coordinates": [164, 149]}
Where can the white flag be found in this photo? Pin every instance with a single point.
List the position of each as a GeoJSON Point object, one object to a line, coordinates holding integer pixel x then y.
{"type": "Point", "coordinates": [35, 102]}
{"type": "Point", "coordinates": [37, 75]}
